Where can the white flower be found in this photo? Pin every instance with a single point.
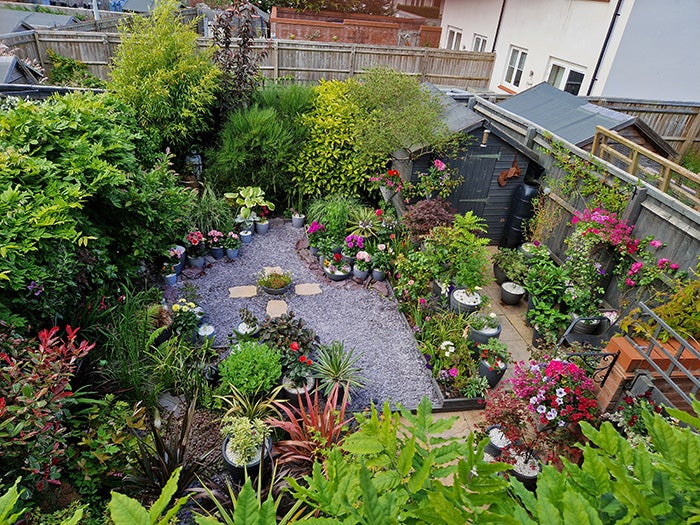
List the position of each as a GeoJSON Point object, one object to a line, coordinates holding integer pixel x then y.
{"type": "Point", "coordinates": [541, 409]}
{"type": "Point", "coordinates": [533, 400]}
{"type": "Point", "coordinates": [551, 414]}
{"type": "Point", "coordinates": [561, 392]}
{"type": "Point", "coordinates": [448, 347]}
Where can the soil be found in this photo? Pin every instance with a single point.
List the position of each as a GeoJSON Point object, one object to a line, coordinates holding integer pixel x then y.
{"type": "Point", "coordinates": [363, 316]}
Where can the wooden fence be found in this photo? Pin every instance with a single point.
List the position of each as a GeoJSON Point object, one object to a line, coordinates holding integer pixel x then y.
{"type": "Point", "coordinates": [653, 212]}
{"type": "Point", "coordinates": [302, 61]}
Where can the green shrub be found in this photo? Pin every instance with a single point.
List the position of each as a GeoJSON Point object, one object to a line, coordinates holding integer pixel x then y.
{"type": "Point", "coordinates": [160, 72]}
{"type": "Point", "coordinates": [68, 72]}
{"type": "Point", "coordinates": [330, 160]}
{"type": "Point", "coordinates": [251, 367]}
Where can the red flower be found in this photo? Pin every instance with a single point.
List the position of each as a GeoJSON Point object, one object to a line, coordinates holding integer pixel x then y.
{"type": "Point", "coordinates": [294, 346]}
{"type": "Point", "coordinates": [337, 257]}
{"type": "Point", "coordinates": [309, 362]}
{"type": "Point", "coordinates": [302, 358]}
{"type": "Point", "coordinates": [378, 213]}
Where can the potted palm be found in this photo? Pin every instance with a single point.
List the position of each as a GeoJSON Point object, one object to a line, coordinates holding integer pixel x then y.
{"type": "Point", "coordinates": [246, 446]}
{"type": "Point", "coordinates": [494, 357]}
{"type": "Point", "coordinates": [336, 366]}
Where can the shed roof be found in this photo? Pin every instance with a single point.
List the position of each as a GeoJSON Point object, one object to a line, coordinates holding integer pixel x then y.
{"type": "Point", "coordinates": [14, 71]}
{"type": "Point", "coordinates": [13, 20]}
{"type": "Point", "coordinates": [568, 116]}
{"type": "Point", "coordinates": [139, 6]}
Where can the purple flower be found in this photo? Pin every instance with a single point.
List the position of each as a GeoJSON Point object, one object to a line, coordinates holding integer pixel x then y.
{"type": "Point", "coordinates": [35, 287]}
{"type": "Point", "coordinates": [453, 372]}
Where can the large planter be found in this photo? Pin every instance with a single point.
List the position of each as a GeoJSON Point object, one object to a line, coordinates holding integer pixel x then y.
{"type": "Point", "coordinates": [276, 291]}
{"type": "Point", "coordinates": [298, 221]}
{"type": "Point", "coordinates": [499, 274]}
{"type": "Point", "coordinates": [512, 293]}
{"type": "Point", "coordinates": [587, 327]}
{"type": "Point", "coordinates": [492, 376]}
{"type": "Point", "coordinates": [195, 262]}
{"type": "Point", "coordinates": [217, 252]}
{"type": "Point", "coordinates": [262, 227]}
{"type": "Point", "coordinates": [292, 393]}
{"type": "Point", "coordinates": [246, 236]}
{"type": "Point", "coordinates": [231, 253]}
{"type": "Point", "coordinates": [170, 279]}
{"type": "Point", "coordinates": [464, 302]}
{"type": "Point", "coordinates": [360, 274]}
{"type": "Point", "coordinates": [482, 336]}
{"type": "Point", "coordinates": [455, 404]}
{"type": "Point", "coordinates": [238, 472]}
{"type": "Point", "coordinates": [497, 441]}
{"type": "Point", "coordinates": [378, 275]}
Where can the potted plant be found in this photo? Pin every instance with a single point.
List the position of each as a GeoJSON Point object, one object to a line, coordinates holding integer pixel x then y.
{"type": "Point", "coordinates": [298, 219]}
{"type": "Point", "coordinates": [334, 365]}
{"type": "Point", "coordinates": [275, 283]}
{"type": "Point", "coordinates": [186, 318]}
{"type": "Point", "coordinates": [248, 328]}
{"type": "Point", "coordinates": [174, 258]}
{"type": "Point", "coordinates": [315, 232]}
{"type": "Point", "coordinates": [380, 262]}
{"type": "Point", "coordinates": [494, 361]}
{"type": "Point", "coordinates": [298, 378]}
{"type": "Point", "coordinates": [251, 367]}
{"type": "Point", "coordinates": [215, 241]}
{"type": "Point", "coordinates": [246, 200]}
{"type": "Point", "coordinates": [195, 247]}
{"type": "Point", "coordinates": [262, 226]}
{"type": "Point", "coordinates": [169, 274]}
{"type": "Point", "coordinates": [512, 293]}
{"type": "Point", "coordinates": [352, 245]}
{"type": "Point", "coordinates": [509, 265]}
{"type": "Point", "coordinates": [232, 244]}
{"type": "Point", "coordinates": [335, 268]}
{"type": "Point", "coordinates": [483, 326]}
{"type": "Point", "coordinates": [362, 266]}
{"type": "Point", "coordinates": [246, 444]}
{"type": "Point", "coordinates": [207, 333]}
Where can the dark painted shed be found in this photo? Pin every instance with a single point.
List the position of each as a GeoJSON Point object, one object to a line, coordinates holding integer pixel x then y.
{"type": "Point", "coordinates": [574, 118]}
{"type": "Point", "coordinates": [15, 71]}
{"type": "Point", "coordinates": [480, 164]}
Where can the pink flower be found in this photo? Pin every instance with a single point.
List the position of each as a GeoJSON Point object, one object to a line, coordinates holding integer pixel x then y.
{"type": "Point", "coordinates": [378, 213]}
{"type": "Point", "coordinates": [656, 244]}
{"type": "Point", "coordinates": [439, 165]}
{"type": "Point", "coordinates": [630, 282]}
{"type": "Point", "coordinates": [421, 301]}
{"type": "Point", "coordinates": [636, 267]}
{"type": "Point", "coordinates": [453, 372]}
{"type": "Point", "coordinates": [674, 266]}
{"type": "Point", "coordinates": [662, 262]}
{"type": "Point", "coordinates": [411, 282]}
{"type": "Point", "coordinates": [381, 247]}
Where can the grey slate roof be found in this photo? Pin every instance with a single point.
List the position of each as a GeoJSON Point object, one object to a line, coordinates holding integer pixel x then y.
{"type": "Point", "coordinates": [13, 20]}
{"type": "Point", "coordinates": [566, 115]}
{"type": "Point", "coordinates": [14, 71]}
{"type": "Point", "coordinates": [139, 6]}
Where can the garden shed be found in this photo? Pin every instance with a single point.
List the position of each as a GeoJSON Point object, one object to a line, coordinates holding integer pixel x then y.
{"type": "Point", "coordinates": [483, 157]}
{"type": "Point", "coordinates": [574, 118]}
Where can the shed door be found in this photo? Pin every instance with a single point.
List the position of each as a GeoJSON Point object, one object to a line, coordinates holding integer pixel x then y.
{"type": "Point", "coordinates": [472, 195]}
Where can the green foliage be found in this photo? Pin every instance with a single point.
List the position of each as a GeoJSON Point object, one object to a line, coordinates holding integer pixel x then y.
{"type": "Point", "coordinates": [124, 510]}
{"type": "Point", "coordinates": [211, 213]}
{"type": "Point", "coordinates": [369, 7]}
{"type": "Point", "coordinates": [334, 212]}
{"type": "Point", "coordinates": [330, 161]}
{"type": "Point", "coordinates": [66, 71]}
{"type": "Point", "coordinates": [335, 365]}
{"type": "Point", "coordinates": [256, 146]}
{"type": "Point", "coordinates": [618, 483]}
{"type": "Point", "coordinates": [691, 161]}
{"type": "Point", "coordinates": [513, 263]}
{"type": "Point", "coordinates": [35, 380]}
{"type": "Point", "coordinates": [396, 471]}
{"type": "Point", "coordinates": [160, 72]}
{"type": "Point", "coordinates": [251, 367]}
{"type": "Point", "coordinates": [8, 503]}
{"type": "Point", "coordinates": [76, 206]}
{"type": "Point", "coordinates": [397, 113]}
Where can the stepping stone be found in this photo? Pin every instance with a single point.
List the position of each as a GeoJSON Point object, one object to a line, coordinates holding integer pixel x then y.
{"type": "Point", "coordinates": [238, 292]}
{"type": "Point", "coordinates": [276, 308]}
{"type": "Point", "coordinates": [307, 289]}
{"type": "Point", "coordinates": [267, 270]}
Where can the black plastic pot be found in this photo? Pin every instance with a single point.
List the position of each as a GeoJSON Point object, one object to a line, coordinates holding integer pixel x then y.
{"type": "Point", "coordinates": [254, 468]}
{"type": "Point", "coordinates": [492, 376]}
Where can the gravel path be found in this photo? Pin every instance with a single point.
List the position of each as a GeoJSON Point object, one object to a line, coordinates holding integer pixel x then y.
{"type": "Point", "coordinates": [364, 319]}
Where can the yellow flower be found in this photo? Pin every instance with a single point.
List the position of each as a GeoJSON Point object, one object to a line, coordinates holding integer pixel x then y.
{"type": "Point", "coordinates": [191, 305]}
{"type": "Point", "coordinates": [176, 307]}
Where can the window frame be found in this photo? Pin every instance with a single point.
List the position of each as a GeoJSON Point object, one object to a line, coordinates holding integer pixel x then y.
{"type": "Point", "coordinates": [569, 68]}
{"type": "Point", "coordinates": [520, 61]}
{"type": "Point", "coordinates": [479, 38]}
{"type": "Point", "coordinates": [454, 38]}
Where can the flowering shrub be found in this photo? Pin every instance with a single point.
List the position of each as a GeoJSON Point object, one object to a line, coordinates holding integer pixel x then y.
{"type": "Point", "coordinates": [605, 227]}
{"type": "Point", "coordinates": [195, 243]}
{"type": "Point", "coordinates": [315, 232]}
{"type": "Point", "coordinates": [494, 353]}
{"type": "Point", "coordinates": [381, 259]}
{"type": "Point", "coordinates": [628, 417]}
{"type": "Point", "coordinates": [215, 239]}
{"type": "Point", "coordinates": [296, 364]}
{"type": "Point", "coordinates": [559, 392]}
{"type": "Point", "coordinates": [646, 271]}
{"type": "Point", "coordinates": [232, 241]}
{"type": "Point", "coordinates": [353, 244]}
{"type": "Point", "coordinates": [391, 179]}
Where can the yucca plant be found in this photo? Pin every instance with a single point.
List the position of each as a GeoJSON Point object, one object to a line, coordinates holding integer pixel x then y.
{"type": "Point", "coordinates": [336, 366]}
{"type": "Point", "coordinates": [363, 222]}
{"type": "Point", "coordinates": [256, 405]}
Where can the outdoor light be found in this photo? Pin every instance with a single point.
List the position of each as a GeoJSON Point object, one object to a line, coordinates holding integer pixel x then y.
{"type": "Point", "coordinates": [485, 138]}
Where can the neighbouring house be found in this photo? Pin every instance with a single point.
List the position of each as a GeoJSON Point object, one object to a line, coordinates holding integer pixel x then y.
{"type": "Point", "coordinates": [16, 20]}
{"type": "Point", "coordinates": [575, 119]}
{"type": "Point", "coordinates": [483, 158]}
{"type": "Point", "coordinates": [641, 49]}
{"type": "Point", "coordinates": [353, 28]}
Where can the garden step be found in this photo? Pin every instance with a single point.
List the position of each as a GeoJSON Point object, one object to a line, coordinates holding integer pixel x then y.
{"type": "Point", "coordinates": [307, 289]}
{"type": "Point", "coordinates": [238, 292]}
{"type": "Point", "coordinates": [276, 308]}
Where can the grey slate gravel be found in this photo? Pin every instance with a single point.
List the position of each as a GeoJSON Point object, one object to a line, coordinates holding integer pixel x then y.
{"type": "Point", "coordinates": [364, 319]}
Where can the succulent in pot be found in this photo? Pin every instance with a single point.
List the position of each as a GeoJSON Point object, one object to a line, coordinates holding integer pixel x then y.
{"type": "Point", "coordinates": [275, 283]}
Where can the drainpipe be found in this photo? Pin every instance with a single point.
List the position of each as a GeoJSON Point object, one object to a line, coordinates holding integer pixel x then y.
{"type": "Point", "coordinates": [605, 47]}
{"type": "Point", "coordinates": [498, 26]}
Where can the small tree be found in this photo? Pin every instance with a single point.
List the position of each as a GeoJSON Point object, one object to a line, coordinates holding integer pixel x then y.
{"type": "Point", "coordinates": [159, 71]}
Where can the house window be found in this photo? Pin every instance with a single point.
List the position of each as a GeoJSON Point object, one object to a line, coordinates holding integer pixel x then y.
{"type": "Point", "coordinates": [567, 77]}
{"type": "Point", "coordinates": [516, 64]}
{"type": "Point", "coordinates": [479, 43]}
{"type": "Point", "coordinates": [454, 38]}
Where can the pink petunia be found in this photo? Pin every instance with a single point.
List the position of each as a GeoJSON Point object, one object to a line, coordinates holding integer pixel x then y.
{"type": "Point", "coordinates": [630, 282]}
{"type": "Point", "coordinates": [674, 266]}
{"type": "Point", "coordinates": [663, 262]}
{"type": "Point", "coordinates": [439, 165]}
{"type": "Point", "coordinates": [656, 244]}
{"type": "Point", "coordinates": [453, 372]}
